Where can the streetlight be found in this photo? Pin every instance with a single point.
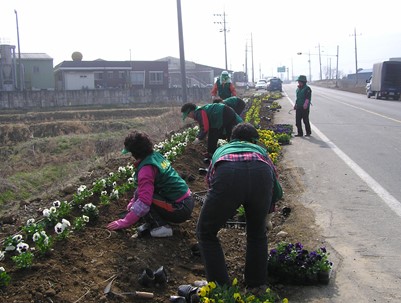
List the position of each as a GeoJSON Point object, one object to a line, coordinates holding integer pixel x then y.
{"type": "Point", "coordinates": [310, 73]}
{"type": "Point", "coordinates": [224, 29]}
{"type": "Point", "coordinates": [21, 83]}
{"type": "Point", "coordinates": [309, 54]}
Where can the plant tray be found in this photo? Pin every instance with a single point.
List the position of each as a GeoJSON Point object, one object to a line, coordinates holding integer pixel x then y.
{"type": "Point", "coordinates": [277, 276]}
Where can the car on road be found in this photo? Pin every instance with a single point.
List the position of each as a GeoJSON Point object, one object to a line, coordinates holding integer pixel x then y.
{"type": "Point", "coordinates": [274, 84]}
{"type": "Point", "coordinates": [261, 84]}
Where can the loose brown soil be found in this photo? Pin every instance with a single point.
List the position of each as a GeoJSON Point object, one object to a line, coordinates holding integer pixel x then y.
{"type": "Point", "coordinates": [78, 269]}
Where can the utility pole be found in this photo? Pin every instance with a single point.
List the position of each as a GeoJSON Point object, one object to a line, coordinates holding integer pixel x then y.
{"type": "Point", "coordinates": [253, 73]}
{"type": "Point", "coordinates": [182, 56]}
{"type": "Point", "coordinates": [356, 57]}
{"type": "Point", "coordinates": [320, 62]}
{"type": "Point", "coordinates": [20, 78]}
{"type": "Point", "coordinates": [224, 30]}
{"type": "Point", "coordinates": [246, 61]}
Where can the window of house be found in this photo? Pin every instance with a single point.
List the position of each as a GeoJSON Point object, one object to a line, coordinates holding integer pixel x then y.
{"type": "Point", "coordinates": [121, 75]}
{"type": "Point", "coordinates": [138, 77]}
{"type": "Point", "coordinates": [36, 69]}
{"type": "Point", "coordinates": [98, 76]}
{"type": "Point", "coordinates": [155, 78]}
{"type": "Point", "coordinates": [109, 75]}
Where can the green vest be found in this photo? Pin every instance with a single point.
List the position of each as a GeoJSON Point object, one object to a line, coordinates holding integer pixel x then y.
{"type": "Point", "coordinates": [241, 147]}
{"type": "Point", "coordinates": [168, 182]}
{"type": "Point", "coordinates": [301, 92]}
{"type": "Point", "coordinates": [214, 113]}
{"type": "Point", "coordinates": [231, 102]}
{"type": "Point", "coordinates": [235, 147]}
{"type": "Point", "coordinates": [224, 90]}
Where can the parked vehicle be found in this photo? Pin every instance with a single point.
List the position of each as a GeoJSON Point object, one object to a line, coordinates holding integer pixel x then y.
{"type": "Point", "coordinates": [261, 84]}
{"type": "Point", "coordinates": [274, 84]}
{"type": "Point", "coordinates": [385, 81]}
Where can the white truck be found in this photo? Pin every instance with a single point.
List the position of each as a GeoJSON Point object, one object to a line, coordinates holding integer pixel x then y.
{"type": "Point", "coordinates": [385, 81]}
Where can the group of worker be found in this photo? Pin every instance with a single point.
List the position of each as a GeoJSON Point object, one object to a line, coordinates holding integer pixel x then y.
{"type": "Point", "coordinates": [239, 173]}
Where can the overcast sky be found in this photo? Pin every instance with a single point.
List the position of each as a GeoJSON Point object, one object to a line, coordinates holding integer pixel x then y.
{"type": "Point", "coordinates": [148, 30]}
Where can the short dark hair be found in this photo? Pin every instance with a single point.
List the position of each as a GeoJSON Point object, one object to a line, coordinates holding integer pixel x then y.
{"type": "Point", "coordinates": [188, 107]}
{"type": "Point", "coordinates": [245, 132]}
{"type": "Point", "coordinates": [138, 144]}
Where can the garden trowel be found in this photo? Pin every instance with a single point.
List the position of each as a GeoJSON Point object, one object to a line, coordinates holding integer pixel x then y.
{"type": "Point", "coordinates": [139, 294]}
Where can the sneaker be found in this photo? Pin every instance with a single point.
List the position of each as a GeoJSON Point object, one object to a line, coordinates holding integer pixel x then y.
{"type": "Point", "coordinates": [162, 231]}
{"type": "Point", "coordinates": [307, 135]}
{"type": "Point", "coordinates": [299, 135]}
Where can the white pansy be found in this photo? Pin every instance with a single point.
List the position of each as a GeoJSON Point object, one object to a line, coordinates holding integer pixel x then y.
{"type": "Point", "coordinates": [81, 189]}
{"type": "Point", "coordinates": [59, 228]}
{"type": "Point", "coordinates": [30, 222]}
{"type": "Point", "coordinates": [36, 236]}
{"type": "Point", "coordinates": [46, 212]}
{"type": "Point", "coordinates": [85, 218]}
{"type": "Point", "coordinates": [17, 238]}
{"type": "Point", "coordinates": [89, 206]}
{"type": "Point", "coordinates": [65, 223]}
{"type": "Point", "coordinates": [2, 256]}
{"type": "Point", "coordinates": [103, 193]}
{"type": "Point", "coordinates": [111, 174]}
{"type": "Point", "coordinates": [114, 184]}
{"type": "Point", "coordinates": [130, 180]}
{"type": "Point", "coordinates": [121, 169]}
{"type": "Point", "coordinates": [2, 269]}
{"type": "Point", "coordinates": [56, 203]}
{"type": "Point", "coordinates": [53, 210]}
{"type": "Point", "coordinates": [22, 247]}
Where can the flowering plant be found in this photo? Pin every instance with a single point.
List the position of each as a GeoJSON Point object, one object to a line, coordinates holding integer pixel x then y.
{"type": "Point", "coordinates": [4, 277]}
{"type": "Point", "coordinates": [25, 257]}
{"type": "Point", "coordinates": [295, 262]}
{"type": "Point", "coordinates": [213, 293]}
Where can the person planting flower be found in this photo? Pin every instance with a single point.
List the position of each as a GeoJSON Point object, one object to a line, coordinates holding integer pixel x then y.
{"type": "Point", "coordinates": [240, 172]}
{"type": "Point", "coordinates": [216, 121]}
{"type": "Point", "coordinates": [162, 196]}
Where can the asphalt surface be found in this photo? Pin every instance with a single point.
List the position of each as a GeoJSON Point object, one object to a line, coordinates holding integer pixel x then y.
{"type": "Point", "coordinates": [352, 169]}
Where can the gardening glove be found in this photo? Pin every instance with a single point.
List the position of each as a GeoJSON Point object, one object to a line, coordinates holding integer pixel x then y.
{"type": "Point", "coordinates": [131, 202]}
{"type": "Point", "coordinates": [196, 141]}
{"type": "Point", "coordinates": [130, 219]}
{"type": "Point", "coordinates": [306, 104]}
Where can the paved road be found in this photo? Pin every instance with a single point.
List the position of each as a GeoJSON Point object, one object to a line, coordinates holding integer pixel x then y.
{"type": "Point", "coordinates": [352, 168]}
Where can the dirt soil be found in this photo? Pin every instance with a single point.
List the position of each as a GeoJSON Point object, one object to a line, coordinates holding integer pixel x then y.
{"type": "Point", "coordinates": [78, 269]}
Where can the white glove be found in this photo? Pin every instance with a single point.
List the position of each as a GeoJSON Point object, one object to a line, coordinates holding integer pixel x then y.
{"type": "Point", "coordinates": [196, 141]}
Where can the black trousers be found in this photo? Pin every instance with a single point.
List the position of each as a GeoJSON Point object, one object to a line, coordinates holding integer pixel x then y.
{"type": "Point", "coordinates": [302, 115]}
{"type": "Point", "coordinates": [249, 183]}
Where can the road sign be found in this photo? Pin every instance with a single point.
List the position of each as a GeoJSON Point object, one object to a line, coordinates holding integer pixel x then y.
{"type": "Point", "coordinates": [281, 69]}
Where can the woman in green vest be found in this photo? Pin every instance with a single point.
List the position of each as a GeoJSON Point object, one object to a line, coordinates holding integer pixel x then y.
{"type": "Point", "coordinates": [162, 196]}
{"type": "Point", "coordinates": [302, 106]}
{"type": "Point", "coordinates": [223, 88]}
{"type": "Point", "coordinates": [240, 172]}
{"type": "Point", "coordinates": [216, 121]}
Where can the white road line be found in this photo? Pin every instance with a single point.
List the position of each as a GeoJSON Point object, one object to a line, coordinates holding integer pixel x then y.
{"type": "Point", "coordinates": [391, 201]}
